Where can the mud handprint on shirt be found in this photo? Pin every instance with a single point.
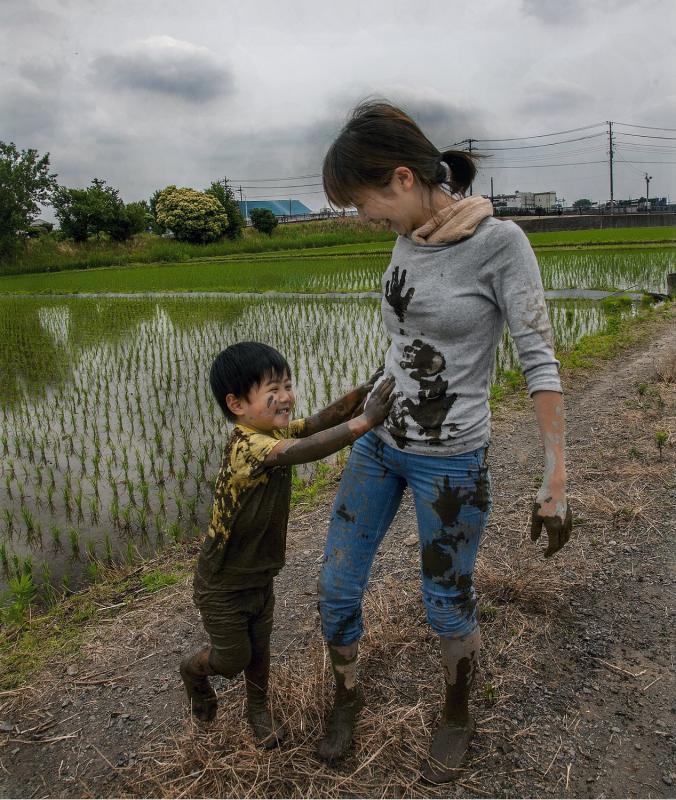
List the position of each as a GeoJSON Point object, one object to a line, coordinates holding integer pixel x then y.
{"type": "Point", "coordinates": [426, 364]}
{"type": "Point", "coordinates": [394, 293]}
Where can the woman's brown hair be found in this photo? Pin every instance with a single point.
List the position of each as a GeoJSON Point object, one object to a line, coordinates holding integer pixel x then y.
{"type": "Point", "coordinates": [378, 138]}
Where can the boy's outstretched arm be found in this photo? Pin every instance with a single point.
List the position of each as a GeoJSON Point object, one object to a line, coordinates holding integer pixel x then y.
{"type": "Point", "coordinates": [338, 411]}
{"type": "Point", "coordinates": [325, 442]}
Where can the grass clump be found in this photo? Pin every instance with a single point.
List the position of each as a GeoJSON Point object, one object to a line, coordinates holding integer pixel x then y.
{"type": "Point", "coordinates": [157, 579]}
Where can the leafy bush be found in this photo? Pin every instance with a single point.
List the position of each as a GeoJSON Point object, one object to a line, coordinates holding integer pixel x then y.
{"type": "Point", "coordinates": [25, 183]}
{"type": "Point", "coordinates": [226, 197]}
{"type": "Point", "coordinates": [263, 220]}
{"type": "Point", "coordinates": [192, 216]}
{"type": "Point", "coordinates": [138, 214]}
{"type": "Point", "coordinates": [93, 211]}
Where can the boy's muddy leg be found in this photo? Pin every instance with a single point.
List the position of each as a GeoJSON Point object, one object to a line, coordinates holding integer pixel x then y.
{"type": "Point", "coordinates": [265, 728]}
{"type": "Point", "coordinates": [195, 670]}
{"type": "Point", "coordinates": [348, 702]}
{"type": "Point", "coordinates": [459, 658]}
{"type": "Point", "coordinates": [267, 731]}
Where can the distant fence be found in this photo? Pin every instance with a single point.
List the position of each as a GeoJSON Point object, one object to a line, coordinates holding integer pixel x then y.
{"type": "Point", "coordinates": [284, 220]}
{"type": "Point", "coordinates": [551, 222]}
{"type": "Point", "coordinates": [575, 222]}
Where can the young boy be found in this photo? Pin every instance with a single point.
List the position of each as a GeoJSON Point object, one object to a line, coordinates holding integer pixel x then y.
{"type": "Point", "coordinates": [246, 540]}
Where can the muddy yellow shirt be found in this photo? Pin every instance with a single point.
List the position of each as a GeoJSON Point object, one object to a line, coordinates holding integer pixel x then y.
{"type": "Point", "coordinates": [246, 539]}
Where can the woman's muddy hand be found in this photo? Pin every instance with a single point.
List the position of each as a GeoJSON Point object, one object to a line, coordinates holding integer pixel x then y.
{"type": "Point", "coordinates": [356, 399]}
{"type": "Point", "coordinates": [380, 402]}
{"type": "Point", "coordinates": [551, 511]}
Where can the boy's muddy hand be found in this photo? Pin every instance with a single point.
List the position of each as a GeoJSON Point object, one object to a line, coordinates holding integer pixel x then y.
{"type": "Point", "coordinates": [380, 402]}
{"type": "Point", "coordinates": [556, 517]}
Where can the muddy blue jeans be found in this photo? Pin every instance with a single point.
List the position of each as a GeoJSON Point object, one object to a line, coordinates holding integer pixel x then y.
{"type": "Point", "coordinates": [452, 502]}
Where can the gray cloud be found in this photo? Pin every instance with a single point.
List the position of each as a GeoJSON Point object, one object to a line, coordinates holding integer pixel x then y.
{"type": "Point", "coordinates": [574, 12]}
{"type": "Point", "coordinates": [157, 110]}
{"type": "Point", "coordinates": [29, 115]}
{"type": "Point", "coordinates": [556, 12]}
{"type": "Point", "coordinates": [547, 98]}
{"type": "Point", "coordinates": [162, 64]}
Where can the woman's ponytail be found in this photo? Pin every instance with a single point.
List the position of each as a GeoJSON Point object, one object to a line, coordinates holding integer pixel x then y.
{"type": "Point", "coordinates": [462, 168]}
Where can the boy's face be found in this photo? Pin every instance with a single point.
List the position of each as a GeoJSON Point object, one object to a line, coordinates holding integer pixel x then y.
{"type": "Point", "coordinates": [268, 406]}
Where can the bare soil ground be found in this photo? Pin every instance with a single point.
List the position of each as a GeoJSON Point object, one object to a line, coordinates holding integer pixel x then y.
{"type": "Point", "coordinates": [575, 696]}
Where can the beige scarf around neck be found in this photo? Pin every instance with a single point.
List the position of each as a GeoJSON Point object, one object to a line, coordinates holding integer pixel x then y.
{"type": "Point", "coordinates": [458, 220]}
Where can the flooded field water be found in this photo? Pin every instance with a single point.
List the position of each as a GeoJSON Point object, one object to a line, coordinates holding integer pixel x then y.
{"type": "Point", "coordinates": [109, 437]}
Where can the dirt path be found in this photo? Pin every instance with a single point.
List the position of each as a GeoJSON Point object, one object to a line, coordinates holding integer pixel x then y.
{"type": "Point", "coordinates": [575, 694]}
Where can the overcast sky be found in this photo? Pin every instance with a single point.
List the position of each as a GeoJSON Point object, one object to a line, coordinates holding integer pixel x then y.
{"type": "Point", "coordinates": [159, 92]}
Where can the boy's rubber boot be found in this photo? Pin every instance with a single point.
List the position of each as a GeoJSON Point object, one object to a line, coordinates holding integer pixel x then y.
{"type": "Point", "coordinates": [195, 670]}
{"type": "Point", "coordinates": [267, 731]}
{"type": "Point", "coordinates": [459, 658]}
{"type": "Point", "coordinates": [348, 702]}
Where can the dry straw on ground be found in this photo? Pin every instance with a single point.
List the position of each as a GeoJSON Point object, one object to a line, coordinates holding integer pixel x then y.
{"type": "Point", "coordinates": [401, 677]}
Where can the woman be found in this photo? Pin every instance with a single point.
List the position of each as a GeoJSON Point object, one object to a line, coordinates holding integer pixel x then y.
{"type": "Point", "coordinates": [455, 277]}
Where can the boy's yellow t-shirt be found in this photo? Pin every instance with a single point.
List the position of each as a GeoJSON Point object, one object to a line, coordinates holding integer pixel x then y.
{"type": "Point", "coordinates": [246, 540]}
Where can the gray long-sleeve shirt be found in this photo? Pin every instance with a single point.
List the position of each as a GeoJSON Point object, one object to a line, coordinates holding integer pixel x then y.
{"type": "Point", "coordinates": [444, 307]}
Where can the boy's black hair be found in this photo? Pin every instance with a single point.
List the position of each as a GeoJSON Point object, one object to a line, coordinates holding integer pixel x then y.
{"type": "Point", "coordinates": [240, 367]}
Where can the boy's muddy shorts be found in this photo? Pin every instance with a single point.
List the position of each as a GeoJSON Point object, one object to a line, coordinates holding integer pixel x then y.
{"type": "Point", "coordinates": [238, 622]}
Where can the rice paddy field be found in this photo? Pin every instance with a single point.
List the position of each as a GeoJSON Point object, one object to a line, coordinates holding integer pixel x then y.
{"type": "Point", "coordinates": [109, 438]}
{"type": "Point", "coordinates": [331, 271]}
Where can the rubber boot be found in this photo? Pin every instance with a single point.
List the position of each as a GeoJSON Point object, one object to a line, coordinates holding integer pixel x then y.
{"type": "Point", "coordinates": [268, 733]}
{"type": "Point", "coordinates": [195, 670]}
{"type": "Point", "coordinates": [459, 658]}
{"type": "Point", "coordinates": [348, 702]}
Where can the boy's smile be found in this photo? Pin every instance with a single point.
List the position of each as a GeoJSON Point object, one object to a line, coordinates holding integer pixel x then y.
{"type": "Point", "coordinates": [268, 406]}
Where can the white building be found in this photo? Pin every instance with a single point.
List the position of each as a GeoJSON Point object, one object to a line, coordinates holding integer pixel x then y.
{"type": "Point", "coordinates": [526, 201]}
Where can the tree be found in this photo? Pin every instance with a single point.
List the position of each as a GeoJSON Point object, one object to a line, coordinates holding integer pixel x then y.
{"type": "Point", "coordinates": [263, 220]}
{"type": "Point", "coordinates": [139, 216]}
{"type": "Point", "coordinates": [92, 211]}
{"type": "Point", "coordinates": [222, 191]}
{"type": "Point", "coordinates": [583, 202]}
{"type": "Point", "coordinates": [25, 183]}
{"type": "Point", "coordinates": [152, 204]}
{"type": "Point", "coordinates": [192, 216]}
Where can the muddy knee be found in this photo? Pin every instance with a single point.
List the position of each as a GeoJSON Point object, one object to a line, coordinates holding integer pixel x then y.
{"type": "Point", "coordinates": [231, 661]}
{"type": "Point", "coordinates": [453, 614]}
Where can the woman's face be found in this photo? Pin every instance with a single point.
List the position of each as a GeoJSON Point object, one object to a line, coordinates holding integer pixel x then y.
{"type": "Point", "coordinates": [399, 205]}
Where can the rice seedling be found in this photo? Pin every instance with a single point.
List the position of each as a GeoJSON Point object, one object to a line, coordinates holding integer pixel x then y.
{"type": "Point", "coordinates": [28, 519]}
{"type": "Point", "coordinates": [108, 548]}
{"type": "Point", "coordinates": [4, 560]}
{"type": "Point", "coordinates": [55, 533]}
{"type": "Point", "coordinates": [74, 539]}
{"type": "Point", "coordinates": [8, 516]}
{"type": "Point", "coordinates": [130, 553]}
{"type": "Point", "coordinates": [90, 549]}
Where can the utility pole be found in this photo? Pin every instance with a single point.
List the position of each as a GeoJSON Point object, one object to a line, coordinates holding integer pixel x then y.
{"type": "Point", "coordinates": [491, 190]}
{"type": "Point", "coordinates": [246, 210]}
{"type": "Point", "coordinates": [648, 178]}
{"type": "Point", "coordinates": [610, 162]}
{"type": "Point", "coordinates": [289, 208]}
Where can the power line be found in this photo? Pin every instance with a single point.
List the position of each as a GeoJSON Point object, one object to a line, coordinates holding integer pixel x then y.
{"type": "Point", "coordinates": [646, 136]}
{"type": "Point", "coordinates": [645, 127]}
{"type": "Point", "coordinates": [538, 136]}
{"type": "Point", "coordinates": [272, 180]}
{"type": "Point", "coordinates": [541, 166]}
{"type": "Point", "coordinates": [651, 162]}
{"type": "Point", "coordinates": [290, 186]}
{"type": "Point", "coordinates": [646, 145]}
{"type": "Point", "coordinates": [546, 144]}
